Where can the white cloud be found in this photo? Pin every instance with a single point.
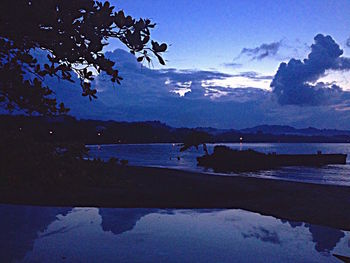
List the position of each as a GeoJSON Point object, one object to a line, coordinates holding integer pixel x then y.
{"type": "Point", "coordinates": [197, 98]}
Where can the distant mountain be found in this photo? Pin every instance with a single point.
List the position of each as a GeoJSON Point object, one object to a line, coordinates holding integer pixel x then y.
{"type": "Point", "coordinates": [270, 129]}
{"type": "Point", "coordinates": [69, 129]}
{"type": "Point", "coordinates": [288, 130]}
{"type": "Point", "coordinates": [213, 131]}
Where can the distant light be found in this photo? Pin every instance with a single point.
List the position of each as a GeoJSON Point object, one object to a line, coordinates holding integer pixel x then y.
{"type": "Point", "coordinates": [20, 128]}
{"type": "Point", "coordinates": [173, 144]}
{"type": "Point", "coordinates": [51, 132]}
{"type": "Point", "coordinates": [99, 134]}
{"type": "Point", "coordinates": [241, 138]}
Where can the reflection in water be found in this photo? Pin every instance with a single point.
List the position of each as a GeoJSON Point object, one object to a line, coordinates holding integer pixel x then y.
{"type": "Point", "coordinates": [292, 223]}
{"type": "Point", "coordinates": [32, 234]}
{"type": "Point", "coordinates": [263, 234]}
{"type": "Point", "coordinates": [122, 219]}
{"type": "Point", "coordinates": [19, 227]}
{"type": "Point", "coordinates": [325, 238]}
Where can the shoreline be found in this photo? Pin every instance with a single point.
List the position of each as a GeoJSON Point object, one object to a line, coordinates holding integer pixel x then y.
{"type": "Point", "coordinates": [151, 187]}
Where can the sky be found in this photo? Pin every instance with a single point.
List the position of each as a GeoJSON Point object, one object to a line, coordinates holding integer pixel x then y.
{"type": "Point", "coordinates": [207, 34]}
{"type": "Point", "coordinates": [235, 64]}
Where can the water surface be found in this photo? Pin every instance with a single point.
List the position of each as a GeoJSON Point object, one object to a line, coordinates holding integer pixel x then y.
{"type": "Point", "coordinates": [166, 155]}
{"type": "Point", "coordinates": [52, 234]}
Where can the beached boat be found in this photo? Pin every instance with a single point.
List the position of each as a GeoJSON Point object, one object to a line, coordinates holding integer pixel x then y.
{"type": "Point", "coordinates": [225, 159]}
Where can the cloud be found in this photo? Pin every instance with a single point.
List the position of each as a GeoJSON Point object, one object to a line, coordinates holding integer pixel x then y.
{"type": "Point", "coordinates": [253, 75]}
{"type": "Point", "coordinates": [295, 82]}
{"type": "Point", "coordinates": [262, 51]}
{"type": "Point", "coordinates": [264, 235]}
{"type": "Point", "coordinates": [232, 65]}
{"type": "Point", "coordinates": [238, 95]}
{"type": "Point", "coordinates": [348, 42]}
{"type": "Point", "coordinates": [149, 94]}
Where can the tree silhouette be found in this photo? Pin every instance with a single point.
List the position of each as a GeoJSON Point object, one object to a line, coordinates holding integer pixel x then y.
{"type": "Point", "coordinates": [73, 34]}
{"type": "Point", "coordinates": [196, 138]}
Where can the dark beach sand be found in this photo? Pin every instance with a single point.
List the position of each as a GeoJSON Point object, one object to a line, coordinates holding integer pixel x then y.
{"type": "Point", "coordinates": [166, 188]}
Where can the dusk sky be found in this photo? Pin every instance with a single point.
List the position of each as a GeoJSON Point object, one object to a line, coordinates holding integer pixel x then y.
{"type": "Point", "coordinates": [207, 34]}
{"type": "Point", "coordinates": [222, 65]}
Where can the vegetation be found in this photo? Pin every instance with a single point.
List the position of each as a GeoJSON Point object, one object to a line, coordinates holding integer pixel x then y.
{"type": "Point", "coordinates": [73, 35]}
{"type": "Point", "coordinates": [195, 139]}
{"type": "Point", "coordinates": [26, 162]}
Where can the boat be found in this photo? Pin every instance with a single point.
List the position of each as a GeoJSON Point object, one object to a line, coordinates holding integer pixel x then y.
{"type": "Point", "coordinates": [225, 159]}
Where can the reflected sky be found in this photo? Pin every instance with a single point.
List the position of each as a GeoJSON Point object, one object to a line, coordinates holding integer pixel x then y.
{"type": "Point", "coordinates": [42, 234]}
{"type": "Point", "coordinates": [19, 227]}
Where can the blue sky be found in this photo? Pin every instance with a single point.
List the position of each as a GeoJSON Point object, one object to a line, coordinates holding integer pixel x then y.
{"type": "Point", "coordinates": [233, 64]}
{"type": "Point", "coordinates": [205, 34]}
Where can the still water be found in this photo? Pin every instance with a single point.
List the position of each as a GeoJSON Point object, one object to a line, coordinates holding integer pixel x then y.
{"type": "Point", "coordinates": [166, 155]}
{"type": "Point", "coordinates": [53, 234]}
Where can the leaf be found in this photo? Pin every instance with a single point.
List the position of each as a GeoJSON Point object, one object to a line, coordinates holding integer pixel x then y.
{"type": "Point", "coordinates": [162, 47]}
{"type": "Point", "coordinates": [160, 59]}
{"type": "Point", "coordinates": [129, 21]}
{"type": "Point", "coordinates": [145, 39]}
{"type": "Point", "coordinates": [120, 19]}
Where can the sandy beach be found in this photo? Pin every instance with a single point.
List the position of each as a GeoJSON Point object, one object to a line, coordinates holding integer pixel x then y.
{"type": "Point", "coordinates": [167, 188]}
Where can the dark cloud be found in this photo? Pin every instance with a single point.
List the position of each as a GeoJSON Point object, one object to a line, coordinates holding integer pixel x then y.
{"type": "Point", "coordinates": [264, 235]}
{"type": "Point", "coordinates": [295, 82]}
{"type": "Point", "coordinates": [239, 95]}
{"type": "Point", "coordinates": [193, 75]}
{"type": "Point", "coordinates": [348, 42]}
{"type": "Point", "coordinates": [232, 65]}
{"type": "Point", "coordinates": [262, 51]}
{"type": "Point", "coordinates": [253, 75]}
{"type": "Point", "coordinates": [148, 94]}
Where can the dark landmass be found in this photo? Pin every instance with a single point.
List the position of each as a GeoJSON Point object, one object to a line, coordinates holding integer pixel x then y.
{"type": "Point", "coordinates": [140, 187]}
{"type": "Point", "coordinates": [288, 130]}
{"type": "Point", "coordinates": [225, 159]}
{"type": "Point", "coordinates": [42, 164]}
{"type": "Point", "coordinates": [68, 129]}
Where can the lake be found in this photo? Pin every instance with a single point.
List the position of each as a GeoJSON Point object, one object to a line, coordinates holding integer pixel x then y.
{"type": "Point", "coordinates": [166, 155]}
{"type": "Point", "coordinates": [54, 234]}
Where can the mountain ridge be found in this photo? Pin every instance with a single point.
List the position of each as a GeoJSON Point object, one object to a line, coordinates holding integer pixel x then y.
{"type": "Point", "coordinates": [68, 128]}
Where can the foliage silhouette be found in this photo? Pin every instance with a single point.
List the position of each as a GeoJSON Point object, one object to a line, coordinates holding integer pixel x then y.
{"type": "Point", "coordinates": [196, 138]}
{"type": "Point", "coordinates": [73, 35]}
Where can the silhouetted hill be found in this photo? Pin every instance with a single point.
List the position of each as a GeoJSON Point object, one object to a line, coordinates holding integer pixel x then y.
{"type": "Point", "coordinates": [272, 129]}
{"type": "Point", "coordinates": [288, 130]}
{"type": "Point", "coordinates": [69, 129]}
{"type": "Point", "coordinates": [214, 131]}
